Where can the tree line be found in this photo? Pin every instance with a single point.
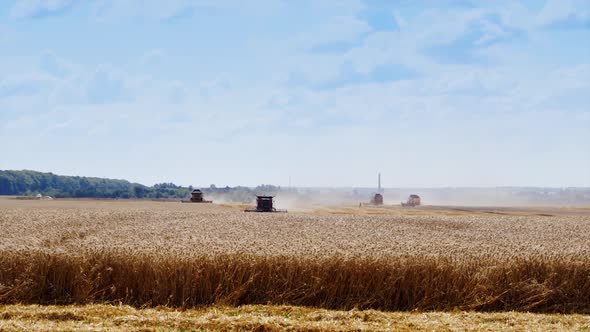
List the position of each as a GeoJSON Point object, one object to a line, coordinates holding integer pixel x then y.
{"type": "Point", "coordinates": [31, 183]}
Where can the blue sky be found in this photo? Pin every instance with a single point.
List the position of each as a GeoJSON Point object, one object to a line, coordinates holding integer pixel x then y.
{"type": "Point", "coordinates": [430, 93]}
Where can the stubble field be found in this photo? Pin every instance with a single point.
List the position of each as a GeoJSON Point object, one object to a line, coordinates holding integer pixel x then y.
{"type": "Point", "coordinates": [148, 254]}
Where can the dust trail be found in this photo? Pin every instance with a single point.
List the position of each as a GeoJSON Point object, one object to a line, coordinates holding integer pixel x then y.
{"type": "Point", "coordinates": [311, 198]}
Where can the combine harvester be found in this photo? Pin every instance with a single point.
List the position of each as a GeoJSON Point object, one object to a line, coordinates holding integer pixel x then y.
{"type": "Point", "coordinates": [413, 200]}
{"type": "Point", "coordinates": [264, 204]}
{"type": "Point", "coordinates": [196, 197]}
{"type": "Point", "coordinates": [377, 199]}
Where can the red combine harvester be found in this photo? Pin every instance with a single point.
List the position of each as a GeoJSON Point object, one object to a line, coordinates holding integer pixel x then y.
{"type": "Point", "coordinates": [377, 199]}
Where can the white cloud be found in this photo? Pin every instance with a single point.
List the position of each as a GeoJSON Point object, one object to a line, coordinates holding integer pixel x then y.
{"type": "Point", "coordinates": [560, 10]}
{"type": "Point", "coordinates": [34, 8]}
{"type": "Point", "coordinates": [152, 9]}
{"type": "Point", "coordinates": [163, 10]}
{"type": "Point", "coordinates": [25, 84]}
{"type": "Point", "coordinates": [339, 28]}
{"type": "Point", "coordinates": [404, 47]}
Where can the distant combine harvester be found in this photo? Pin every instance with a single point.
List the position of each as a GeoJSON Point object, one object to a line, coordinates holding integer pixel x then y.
{"type": "Point", "coordinates": [413, 200]}
{"type": "Point", "coordinates": [377, 199]}
{"type": "Point", "coordinates": [196, 197]}
{"type": "Point", "coordinates": [264, 204]}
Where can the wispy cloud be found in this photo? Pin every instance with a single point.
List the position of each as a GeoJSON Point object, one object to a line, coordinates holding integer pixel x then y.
{"type": "Point", "coordinates": [565, 13]}
{"type": "Point", "coordinates": [158, 10]}
{"type": "Point", "coordinates": [40, 8]}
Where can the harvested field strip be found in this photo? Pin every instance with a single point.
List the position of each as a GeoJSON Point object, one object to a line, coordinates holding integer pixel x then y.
{"type": "Point", "coordinates": [538, 283]}
{"type": "Point", "coordinates": [271, 318]}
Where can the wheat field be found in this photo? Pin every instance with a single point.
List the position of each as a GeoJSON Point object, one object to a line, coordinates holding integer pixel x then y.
{"type": "Point", "coordinates": [148, 254]}
{"type": "Point", "coordinates": [101, 317]}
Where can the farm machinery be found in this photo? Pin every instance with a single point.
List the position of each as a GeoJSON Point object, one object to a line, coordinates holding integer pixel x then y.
{"type": "Point", "coordinates": [264, 204]}
{"type": "Point", "coordinates": [196, 197]}
{"type": "Point", "coordinates": [413, 200]}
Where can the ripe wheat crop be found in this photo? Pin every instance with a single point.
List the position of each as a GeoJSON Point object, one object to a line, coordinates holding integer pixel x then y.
{"type": "Point", "coordinates": [188, 255]}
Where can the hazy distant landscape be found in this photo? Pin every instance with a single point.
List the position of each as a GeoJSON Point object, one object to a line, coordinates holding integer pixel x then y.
{"type": "Point", "coordinates": [31, 183]}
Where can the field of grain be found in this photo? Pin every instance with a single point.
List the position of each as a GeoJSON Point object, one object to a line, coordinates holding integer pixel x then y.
{"type": "Point", "coordinates": [147, 254]}
{"type": "Point", "coordinates": [100, 317]}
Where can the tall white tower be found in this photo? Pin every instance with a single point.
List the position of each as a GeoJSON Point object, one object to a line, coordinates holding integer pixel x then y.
{"type": "Point", "coordinates": [379, 183]}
